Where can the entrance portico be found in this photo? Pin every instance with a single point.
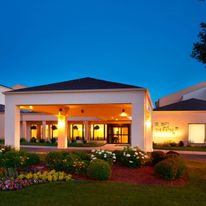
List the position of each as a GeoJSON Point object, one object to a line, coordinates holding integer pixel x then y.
{"type": "Point", "coordinates": [104, 103]}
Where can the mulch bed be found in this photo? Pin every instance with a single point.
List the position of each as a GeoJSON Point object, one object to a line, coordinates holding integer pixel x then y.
{"type": "Point", "coordinates": [143, 175]}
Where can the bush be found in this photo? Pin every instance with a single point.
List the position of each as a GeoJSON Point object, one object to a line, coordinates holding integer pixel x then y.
{"type": "Point", "coordinates": [99, 170]}
{"type": "Point", "coordinates": [172, 153]}
{"type": "Point", "coordinates": [11, 159]}
{"type": "Point", "coordinates": [42, 140]}
{"type": "Point", "coordinates": [33, 140]}
{"type": "Point", "coordinates": [23, 140]}
{"type": "Point", "coordinates": [130, 157]}
{"type": "Point", "coordinates": [83, 155]}
{"type": "Point", "coordinates": [171, 168]}
{"type": "Point", "coordinates": [108, 156]}
{"type": "Point", "coordinates": [181, 144]}
{"type": "Point", "coordinates": [63, 161]}
{"type": "Point", "coordinates": [56, 160]}
{"type": "Point", "coordinates": [53, 140]}
{"type": "Point", "coordinates": [157, 156]}
{"type": "Point", "coordinates": [173, 144]}
{"type": "Point", "coordinates": [31, 159]}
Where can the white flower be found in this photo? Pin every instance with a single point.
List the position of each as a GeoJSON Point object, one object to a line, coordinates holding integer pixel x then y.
{"type": "Point", "coordinates": [130, 161]}
{"type": "Point", "coordinates": [124, 153]}
{"type": "Point", "coordinates": [114, 157]}
{"type": "Point", "coordinates": [128, 155]}
{"type": "Point", "coordinates": [93, 150]}
{"type": "Point", "coordinates": [92, 156]}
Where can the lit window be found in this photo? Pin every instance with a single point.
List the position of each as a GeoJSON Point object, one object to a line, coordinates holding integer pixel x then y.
{"type": "Point", "coordinates": [197, 133]}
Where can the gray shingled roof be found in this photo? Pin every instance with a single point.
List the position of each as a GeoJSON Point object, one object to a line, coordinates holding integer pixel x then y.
{"type": "Point", "coordinates": [78, 84]}
{"type": "Point", "coordinates": [186, 105]}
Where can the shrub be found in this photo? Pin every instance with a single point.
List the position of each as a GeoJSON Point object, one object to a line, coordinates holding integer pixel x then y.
{"type": "Point", "coordinates": [23, 140]}
{"type": "Point", "coordinates": [166, 169]}
{"type": "Point", "coordinates": [131, 157]}
{"type": "Point", "coordinates": [181, 144]}
{"type": "Point", "coordinates": [53, 140]}
{"type": "Point", "coordinates": [173, 144]}
{"type": "Point", "coordinates": [108, 156]}
{"type": "Point", "coordinates": [11, 159]}
{"type": "Point", "coordinates": [56, 160]}
{"type": "Point", "coordinates": [42, 140]}
{"type": "Point", "coordinates": [33, 140]}
{"type": "Point", "coordinates": [171, 168]}
{"type": "Point", "coordinates": [83, 155]}
{"type": "Point", "coordinates": [172, 153]}
{"type": "Point", "coordinates": [4, 149]}
{"type": "Point", "coordinates": [179, 161]}
{"type": "Point", "coordinates": [63, 161]}
{"type": "Point", "coordinates": [31, 159]}
{"type": "Point", "coordinates": [157, 156]}
{"type": "Point", "coordinates": [99, 170]}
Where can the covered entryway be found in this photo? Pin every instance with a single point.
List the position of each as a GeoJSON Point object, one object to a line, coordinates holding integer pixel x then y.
{"type": "Point", "coordinates": [106, 101]}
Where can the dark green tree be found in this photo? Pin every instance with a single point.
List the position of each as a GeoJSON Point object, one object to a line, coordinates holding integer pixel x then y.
{"type": "Point", "coordinates": [199, 48]}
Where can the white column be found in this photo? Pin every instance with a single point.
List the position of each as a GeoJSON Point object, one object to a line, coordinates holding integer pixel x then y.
{"type": "Point", "coordinates": [86, 133]}
{"type": "Point", "coordinates": [28, 132]}
{"type": "Point", "coordinates": [62, 133]}
{"type": "Point", "coordinates": [138, 125]}
{"type": "Point", "coordinates": [49, 132]}
{"type": "Point", "coordinates": [44, 130]}
{"type": "Point", "coordinates": [12, 125]}
{"type": "Point", "coordinates": [24, 129]}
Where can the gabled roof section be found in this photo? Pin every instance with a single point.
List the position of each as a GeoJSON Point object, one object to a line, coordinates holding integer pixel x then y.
{"type": "Point", "coordinates": [177, 96]}
{"type": "Point", "coordinates": [187, 105]}
{"type": "Point", "coordinates": [78, 84]}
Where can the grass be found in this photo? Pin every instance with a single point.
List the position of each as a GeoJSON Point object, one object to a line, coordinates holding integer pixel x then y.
{"type": "Point", "coordinates": [193, 148]}
{"type": "Point", "coordinates": [107, 193]}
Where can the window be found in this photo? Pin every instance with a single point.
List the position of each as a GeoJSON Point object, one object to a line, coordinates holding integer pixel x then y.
{"type": "Point", "coordinates": [77, 131]}
{"type": "Point", "coordinates": [98, 131]}
{"type": "Point", "coordinates": [197, 133]}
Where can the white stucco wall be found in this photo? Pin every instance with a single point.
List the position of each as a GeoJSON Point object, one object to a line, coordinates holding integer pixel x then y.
{"type": "Point", "coordinates": [180, 119]}
{"type": "Point", "coordinates": [1, 125]}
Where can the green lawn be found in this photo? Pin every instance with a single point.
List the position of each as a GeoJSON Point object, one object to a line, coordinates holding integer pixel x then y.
{"type": "Point", "coordinates": [193, 148]}
{"type": "Point", "coordinates": [107, 193]}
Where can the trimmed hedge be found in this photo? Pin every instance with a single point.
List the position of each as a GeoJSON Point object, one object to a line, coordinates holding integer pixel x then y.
{"type": "Point", "coordinates": [157, 156]}
{"type": "Point", "coordinates": [99, 170]}
{"type": "Point", "coordinates": [171, 168]}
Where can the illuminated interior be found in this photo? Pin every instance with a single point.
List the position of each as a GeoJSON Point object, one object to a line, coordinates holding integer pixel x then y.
{"type": "Point", "coordinates": [54, 130]}
{"type": "Point", "coordinates": [98, 131]}
{"type": "Point", "coordinates": [34, 130]}
{"type": "Point", "coordinates": [196, 133]}
{"type": "Point", "coordinates": [118, 134]}
{"type": "Point", "coordinates": [77, 131]}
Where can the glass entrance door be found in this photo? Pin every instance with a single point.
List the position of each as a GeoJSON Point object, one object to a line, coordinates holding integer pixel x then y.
{"type": "Point", "coordinates": [118, 134]}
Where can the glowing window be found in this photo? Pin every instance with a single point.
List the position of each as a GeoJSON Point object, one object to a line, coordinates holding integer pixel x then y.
{"type": "Point", "coordinates": [197, 133]}
{"type": "Point", "coordinates": [77, 131]}
{"type": "Point", "coordinates": [98, 131]}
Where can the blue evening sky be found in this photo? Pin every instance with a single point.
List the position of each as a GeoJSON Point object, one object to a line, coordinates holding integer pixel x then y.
{"type": "Point", "coordinates": [145, 43]}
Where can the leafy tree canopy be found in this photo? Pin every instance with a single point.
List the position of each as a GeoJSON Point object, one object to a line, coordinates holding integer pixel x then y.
{"type": "Point", "coordinates": [199, 48]}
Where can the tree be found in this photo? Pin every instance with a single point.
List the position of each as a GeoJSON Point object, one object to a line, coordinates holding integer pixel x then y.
{"type": "Point", "coordinates": [199, 48]}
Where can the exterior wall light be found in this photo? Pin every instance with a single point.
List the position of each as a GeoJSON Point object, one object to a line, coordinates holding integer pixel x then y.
{"type": "Point", "coordinates": [123, 113]}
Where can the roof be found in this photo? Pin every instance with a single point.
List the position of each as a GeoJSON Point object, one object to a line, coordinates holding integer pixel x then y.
{"type": "Point", "coordinates": [78, 84]}
{"type": "Point", "coordinates": [186, 105]}
{"type": "Point", "coordinates": [177, 96]}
